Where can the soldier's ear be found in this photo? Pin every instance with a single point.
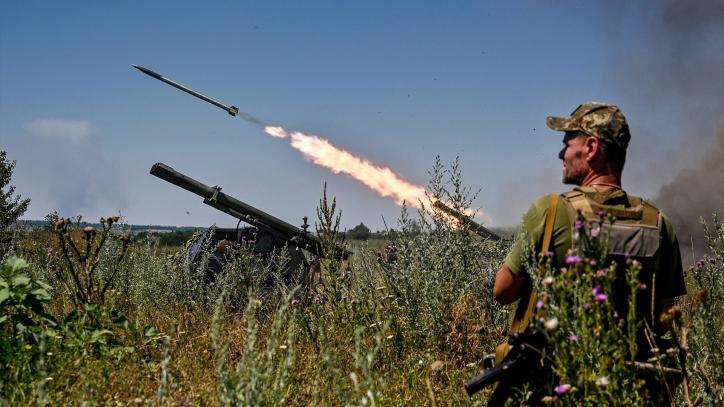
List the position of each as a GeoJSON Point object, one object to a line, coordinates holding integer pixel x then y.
{"type": "Point", "coordinates": [593, 145]}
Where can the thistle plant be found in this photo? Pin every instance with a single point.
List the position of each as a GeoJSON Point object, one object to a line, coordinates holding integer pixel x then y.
{"type": "Point", "coordinates": [700, 328]}
{"type": "Point", "coordinates": [592, 348]}
{"type": "Point", "coordinates": [79, 257]}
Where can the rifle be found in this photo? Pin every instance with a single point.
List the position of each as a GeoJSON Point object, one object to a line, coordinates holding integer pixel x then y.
{"type": "Point", "coordinates": [278, 228]}
{"type": "Point", "coordinates": [475, 227]}
{"type": "Point", "coordinates": [519, 366]}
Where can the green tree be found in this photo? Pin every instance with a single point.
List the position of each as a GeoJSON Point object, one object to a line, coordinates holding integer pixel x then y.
{"type": "Point", "coordinates": [359, 232]}
{"type": "Point", "coordinates": [11, 207]}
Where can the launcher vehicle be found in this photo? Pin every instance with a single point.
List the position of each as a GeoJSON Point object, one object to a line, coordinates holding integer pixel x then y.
{"type": "Point", "coordinates": [267, 233]}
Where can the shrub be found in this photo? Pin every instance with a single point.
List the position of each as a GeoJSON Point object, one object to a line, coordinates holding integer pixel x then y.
{"type": "Point", "coordinates": [25, 326]}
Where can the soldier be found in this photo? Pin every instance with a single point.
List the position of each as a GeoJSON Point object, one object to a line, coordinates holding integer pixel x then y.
{"type": "Point", "coordinates": [595, 141]}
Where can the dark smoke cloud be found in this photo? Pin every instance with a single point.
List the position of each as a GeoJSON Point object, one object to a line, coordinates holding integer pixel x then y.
{"type": "Point", "coordinates": [674, 68]}
{"type": "Point", "coordinates": [696, 192]}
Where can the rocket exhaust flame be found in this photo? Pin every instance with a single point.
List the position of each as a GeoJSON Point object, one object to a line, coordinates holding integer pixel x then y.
{"type": "Point", "coordinates": [380, 179]}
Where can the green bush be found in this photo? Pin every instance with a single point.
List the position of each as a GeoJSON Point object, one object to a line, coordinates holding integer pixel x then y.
{"type": "Point", "coordinates": [25, 326]}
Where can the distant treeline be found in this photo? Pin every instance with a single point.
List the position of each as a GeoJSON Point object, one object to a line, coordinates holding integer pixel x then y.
{"type": "Point", "coordinates": [134, 228]}
{"type": "Point", "coordinates": [178, 235]}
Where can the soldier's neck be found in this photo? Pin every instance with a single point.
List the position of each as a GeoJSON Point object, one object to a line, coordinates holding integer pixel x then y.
{"type": "Point", "coordinates": [601, 181]}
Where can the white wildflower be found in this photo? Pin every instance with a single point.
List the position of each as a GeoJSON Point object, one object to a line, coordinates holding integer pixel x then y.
{"type": "Point", "coordinates": [552, 323]}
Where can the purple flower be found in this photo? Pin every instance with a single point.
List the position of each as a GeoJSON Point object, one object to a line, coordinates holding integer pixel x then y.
{"type": "Point", "coordinates": [353, 300]}
{"type": "Point", "coordinates": [712, 260]}
{"type": "Point", "coordinates": [598, 294]}
{"type": "Point", "coordinates": [318, 299]}
{"type": "Point", "coordinates": [602, 273]}
{"type": "Point", "coordinates": [595, 232]}
{"type": "Point", "coordinates": [579, 224]}
{"type": "Point", "coordinates": [593, 262]}
{"type": "Point", "coordinates": [700, 264]}
{"type": "Point", "coordinates": [295, 302]}
{"type": "Point", "coordinates": [551, 254]}
{"type": "Point", "coordinates": [587, 305]}
{"type": "Point", "coordinates": [601, 214]}
{"type": "Point", "coordinates": [627, 255]}
{"type": "Point", "coordinates": [573, 338]}
{"type": "Point", "coordinates": [562, 388]}
{"type": "Point", "coordinates": [573, 260]}
{"type": "Point", "coordinates": [539, 304]}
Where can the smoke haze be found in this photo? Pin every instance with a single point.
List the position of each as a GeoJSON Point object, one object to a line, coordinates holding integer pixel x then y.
{"type": "Point", "coordinates": [680, 81]}
{"type": "Point", "coordinates": [696, 192]}
{"type": "Point", "coordinates": [69, 170]}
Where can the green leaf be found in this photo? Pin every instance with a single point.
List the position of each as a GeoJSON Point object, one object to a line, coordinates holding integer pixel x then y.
{"type": "Point", "coordinates": [4, 294]}
{"type": "Point", "coordinates": [98, 334]}
{"type": "Point", "coordinates": [21, 280]}
{"type": "Point", "coordinates": [16, 263]}
{"type": "Point", "coordinates": [41, 294]}
{"type": "Point", "coordinates": [150, 334]}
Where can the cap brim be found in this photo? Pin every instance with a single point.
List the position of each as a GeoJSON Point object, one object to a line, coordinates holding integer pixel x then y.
{"type": "Point", "coordinates": [560, 123]}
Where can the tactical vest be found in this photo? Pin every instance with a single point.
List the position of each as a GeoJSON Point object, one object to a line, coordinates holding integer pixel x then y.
{"type": "Point", "coordinates": [635, 234]}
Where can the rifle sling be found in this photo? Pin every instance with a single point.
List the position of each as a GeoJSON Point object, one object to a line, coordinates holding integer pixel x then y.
{"type": "Point", "coordinates": [520, 324]}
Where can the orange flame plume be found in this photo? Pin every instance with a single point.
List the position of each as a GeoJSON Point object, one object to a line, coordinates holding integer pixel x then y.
{"type": "Point", "coordinates": [380, 179]}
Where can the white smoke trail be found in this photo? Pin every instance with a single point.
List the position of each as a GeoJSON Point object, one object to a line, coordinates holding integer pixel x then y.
{"type": "Point", "coordinates": [380, 179]}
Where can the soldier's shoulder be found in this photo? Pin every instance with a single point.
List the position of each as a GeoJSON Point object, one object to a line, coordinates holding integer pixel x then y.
{"type": "Point", "coordinates": [542, 203]}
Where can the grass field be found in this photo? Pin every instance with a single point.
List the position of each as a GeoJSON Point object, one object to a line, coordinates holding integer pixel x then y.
{"type": "Point", "coordinates": [89, 318]}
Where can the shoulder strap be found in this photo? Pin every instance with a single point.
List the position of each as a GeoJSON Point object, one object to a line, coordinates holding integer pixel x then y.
{"type": "Point", "coordinates": [520, 322]}
{"type": "Point", "coordinates": [550, 221]}
{"type": "Point", "coordinates": [525, 311]}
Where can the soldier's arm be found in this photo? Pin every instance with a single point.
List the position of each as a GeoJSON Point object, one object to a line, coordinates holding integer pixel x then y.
{"type": "Point", "coordinates": [511, 279]}
{"type": "Point", "coordinates": [508, 286]}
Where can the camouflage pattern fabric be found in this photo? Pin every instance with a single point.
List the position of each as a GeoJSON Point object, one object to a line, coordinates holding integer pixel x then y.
{"type": "Point", "coordinates": [606, 122]}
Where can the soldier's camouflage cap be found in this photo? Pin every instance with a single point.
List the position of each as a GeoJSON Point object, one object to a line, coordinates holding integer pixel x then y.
{"type": "Point", "coordinates": [601, 120]}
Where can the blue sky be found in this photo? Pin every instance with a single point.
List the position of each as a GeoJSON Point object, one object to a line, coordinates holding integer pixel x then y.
{"type": "Point", "coordinates": [396, 83]}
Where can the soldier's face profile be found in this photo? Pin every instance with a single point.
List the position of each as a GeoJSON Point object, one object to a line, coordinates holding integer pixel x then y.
{"type": "Point", "coordinates": [575, 166]}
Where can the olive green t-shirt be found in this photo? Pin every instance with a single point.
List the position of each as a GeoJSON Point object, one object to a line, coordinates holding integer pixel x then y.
{"type": "Point", "coordinates": [531, 235]}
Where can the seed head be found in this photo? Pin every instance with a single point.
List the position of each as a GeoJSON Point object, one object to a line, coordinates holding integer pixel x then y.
{"type": "Point", "coordinates": [59, 224]}
{"type": "Point", "coordinates": [701, 296]}
{"type": "Point", "coordinates": [603, 381]}
{"type": "Point", "coordinates": [551, 323]}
